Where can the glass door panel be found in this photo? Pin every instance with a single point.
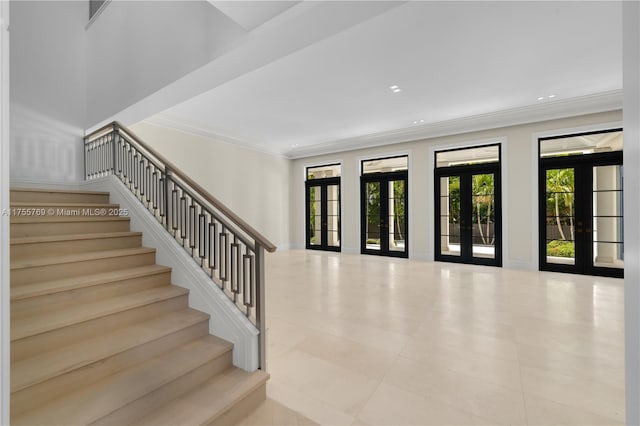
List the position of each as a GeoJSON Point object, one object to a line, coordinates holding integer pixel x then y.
{"type": "Point", "coordinates": [483, 237]}
{"type": "Point", "coordinates": [315, 216]}
{"type": "Point", "coordinates": [607, 220]}
{"type": "Point", "coordinates": [396, 215]}
{"type": "Point", "coordinates": [450, 215]}
{"type": "Point", "coordinates": [560, 216]}
{"type": "Point", "coordinates": [333, 215]}
{"type": "Point", "coordinates": [373, 223]}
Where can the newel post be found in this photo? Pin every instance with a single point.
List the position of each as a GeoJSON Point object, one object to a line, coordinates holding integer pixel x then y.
{"type": "Point", "coordinates": [114, 142]}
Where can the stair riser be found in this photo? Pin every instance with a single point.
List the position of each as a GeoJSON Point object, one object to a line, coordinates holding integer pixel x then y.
{"type": "Point", "coordinates": [156, 399]}
{"type": "Point", "coordinates": [33, 345]}
{"type": "Point", "coordinates": [22, 400]}
{"type": "Point", "coordinates": [74, 269]}
{"type": "Point", "coordinates": [34, 229]}
{"type": "Point", "coordinates": [35, 250]}
{"type": "Point", "coordinates": [17, 196]}
{"type": "Point", "coordinates": [59, 301]}
{"type": "Point", "coordinates": [242, 408]}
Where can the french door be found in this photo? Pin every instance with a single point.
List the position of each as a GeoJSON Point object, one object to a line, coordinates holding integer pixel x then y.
{"type": "Point", "coordinates": [323, 214]}
{"type": "Point", "coordinates": [581, 214]}
{"type": "Point", "coordinates": [468, 215]}
{"type": "Point", "coordinates": [384, 208]}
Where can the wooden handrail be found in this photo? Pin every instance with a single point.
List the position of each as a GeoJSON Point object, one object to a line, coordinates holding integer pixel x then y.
{"type": "Point", "coordinates": [175, 171]}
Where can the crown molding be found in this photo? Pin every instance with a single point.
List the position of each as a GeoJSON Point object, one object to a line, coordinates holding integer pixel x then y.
{"type": "Point", "coordinates": [544, 111]}
{"type": "Point", "coordinates": [170, 122]}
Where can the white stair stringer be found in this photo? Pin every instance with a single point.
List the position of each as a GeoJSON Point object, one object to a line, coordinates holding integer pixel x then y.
{"type": "Point", "coordinates": [226, 320]}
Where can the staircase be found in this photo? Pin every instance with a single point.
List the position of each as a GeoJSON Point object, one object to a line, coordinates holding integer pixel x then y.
{"type": "Point", "coordinates": [99, 335]}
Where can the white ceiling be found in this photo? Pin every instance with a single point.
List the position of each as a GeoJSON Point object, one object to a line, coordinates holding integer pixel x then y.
{"type": "Point", "coordinates": [454, 61]}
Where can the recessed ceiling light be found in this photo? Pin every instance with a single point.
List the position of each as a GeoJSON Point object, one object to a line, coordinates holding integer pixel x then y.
{"type": "Point", "coordinates": [541, 98]}
{"type": "Point", "coordinates": [396, 90]}
{"type": "Point", "coordinates": [418, 121]}
{"type": "Point", "coordinates": [394, 87]}
{"type": "Point", "coordinates": [552, 96]}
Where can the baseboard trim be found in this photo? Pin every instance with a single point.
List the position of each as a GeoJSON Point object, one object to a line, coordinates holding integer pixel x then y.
{"type": "Point", "coordinates": [521, 265]}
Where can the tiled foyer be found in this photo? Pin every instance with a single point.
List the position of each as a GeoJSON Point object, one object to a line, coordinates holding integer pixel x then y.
{"type": "Point", "coordinates": [371, 340]}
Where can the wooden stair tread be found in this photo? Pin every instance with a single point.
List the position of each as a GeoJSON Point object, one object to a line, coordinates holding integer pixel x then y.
{"type": "Point", "coordinates": [50, 364]}
{"type": "Point", "coordinates": [37, 324]}
{"type": "Point", "coordinates": [210, 400]}
{"type": "Point", "coordinates": [78, 257]}
{"type": "Point", "coordinates": [65, 219]}
{"type": "Point", "coordinates": [71, 237]}
{"type": "Point", "coordinates": [56, 286]}
{"type": "Point", "coordinates": [91, 403]}
{"type": "Point", "coordinates": [58, 191]}
{"type": "Point", "coordinates": [114, 341]}
{"type": "Point", "coordinates": [61, 205]}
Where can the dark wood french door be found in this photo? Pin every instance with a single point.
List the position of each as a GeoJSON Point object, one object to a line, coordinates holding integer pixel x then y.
{"type": "Point", "coordinates": [468, 214]}
{"type": "Point", "coordinates": [581, 214]}
{"type": "Point", "coordinates": [384, 208]}
{"type": "Point", "coordinates": [323, 214]}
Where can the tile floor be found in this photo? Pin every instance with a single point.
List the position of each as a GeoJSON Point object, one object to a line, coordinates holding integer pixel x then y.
{"type": "Point", "coordinates": [369, 340]}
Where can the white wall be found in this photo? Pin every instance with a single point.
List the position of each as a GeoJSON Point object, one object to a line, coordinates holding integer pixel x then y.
{"type": "Point", "coordinates": [631, 84]}
{"type": "Point", "coordinates": [519, 183]}
{"type": "Point", "coordinates": [48, 98]}
{"type": "Point", "coordinates": [4, 220]}
{"type": "Point", "coordinates": [253, 184]}
{"type": "Point", "coordinates": [138, 47]}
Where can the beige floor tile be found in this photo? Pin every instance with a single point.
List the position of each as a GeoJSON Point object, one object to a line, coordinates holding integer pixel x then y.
{"type": "Point", "coordinates": [312, 408]}
{"type": "Point", "coordinates": [372, 340]}
{"type": "Point", "coordinates": [272, 413]}
{"type": "Point", "coordinates": [348, 354]}
{"type": "Point", "coordinates": [335, 385]}
{"type": "Point", "coordinates": [600, 399]}
{"type": "Point", "coordinates": [391, 405]}
{"type": "Point", "coordinates": [497, 371]}
{"type": "Point", "coordinates": [498, 404]}
{"type": "Point", "coordinates": [541, 411]}
{"type": "Point", "coordinates": [608, 371]}
{"type": "Point", "coordinates": [283, 336]}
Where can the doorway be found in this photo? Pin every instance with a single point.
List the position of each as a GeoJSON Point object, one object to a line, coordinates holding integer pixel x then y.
{"type": "Point", "coordinates": [384, 207]}
{"type": "Point", "coordinates": [323, 207]}
{"type": "Point", "coordinates": [468, 206]}
{"type": "Point", "coordinates": [581, 204]}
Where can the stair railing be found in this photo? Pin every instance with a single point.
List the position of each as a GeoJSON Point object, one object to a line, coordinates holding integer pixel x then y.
{"type": "Point", "coordinates": [227, 248]}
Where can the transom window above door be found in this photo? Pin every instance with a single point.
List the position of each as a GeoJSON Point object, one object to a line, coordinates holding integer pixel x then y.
{"type": "Point", "coordinates": [468, 156]}
{"type": "Point", "coordinates": [385, 165]}
{"type": "Point", "coordinates": [321, 172]}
